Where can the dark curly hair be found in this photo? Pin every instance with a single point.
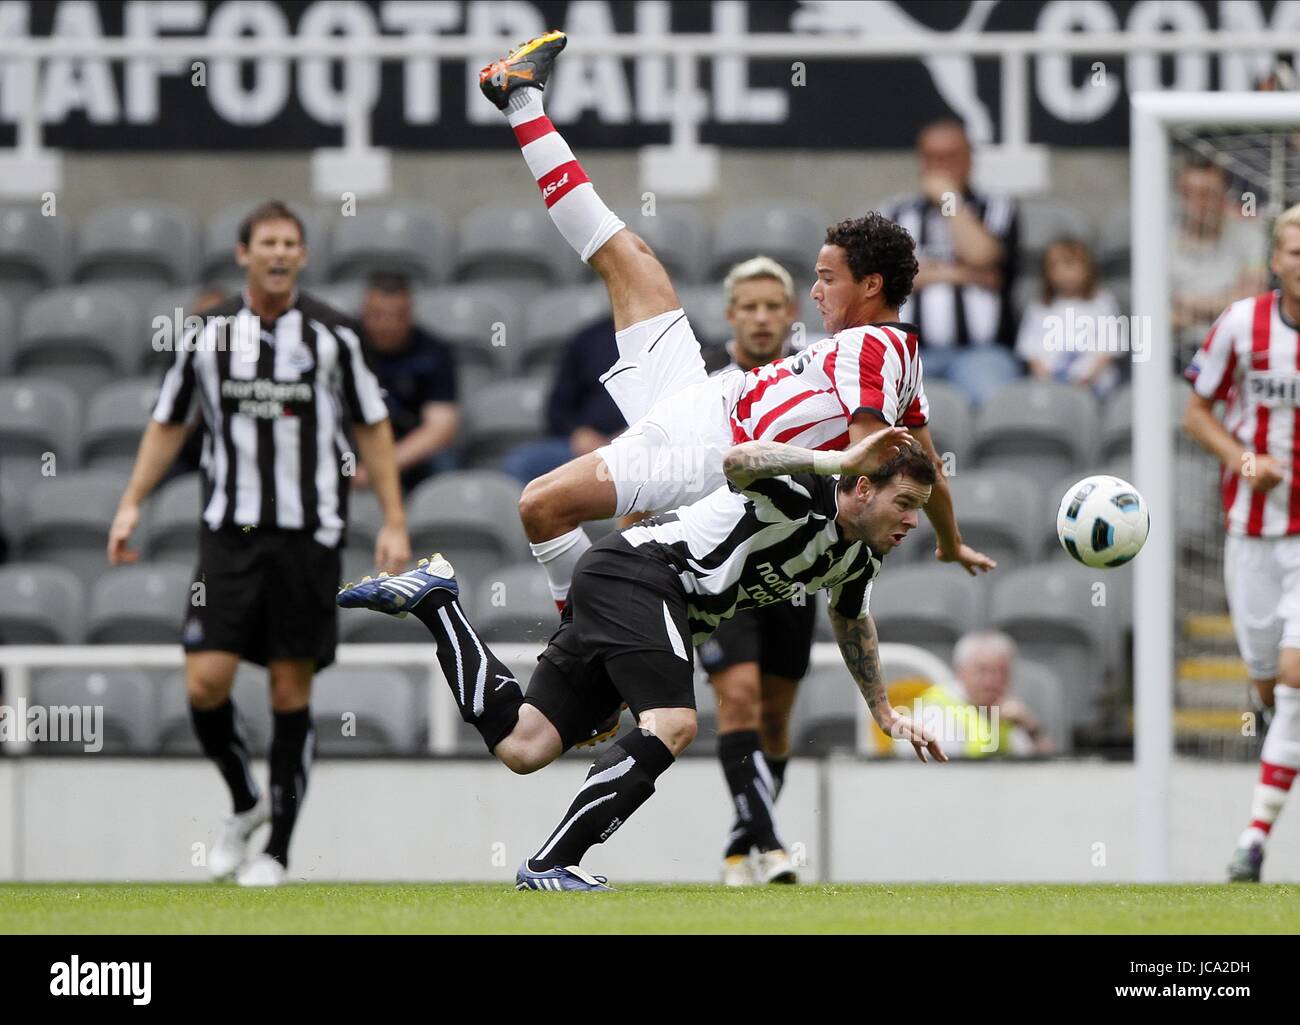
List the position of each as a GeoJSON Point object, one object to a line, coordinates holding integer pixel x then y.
{"type": "Point", "coordinates": [911, 460]}
{"type": "Point", "coordinates": [876, 245]}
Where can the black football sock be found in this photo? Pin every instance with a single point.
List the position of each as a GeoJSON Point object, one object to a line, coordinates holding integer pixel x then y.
{"type": "Point", "coordinates": [218, 733]}
{"type": "Point", "coordinates": [776, 765]}
{"type": "Point", "coordinates": [619, 782]}
{"type": "Point", "coordinates": [293, 744]}
{"type": "Point", "coordinates": [752, 792]}
{"type": "Point", "coordinates": [486, 692]}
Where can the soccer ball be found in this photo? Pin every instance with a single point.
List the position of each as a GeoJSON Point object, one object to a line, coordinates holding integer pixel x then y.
{"type": "Point", "coordinates": [1103, 521]}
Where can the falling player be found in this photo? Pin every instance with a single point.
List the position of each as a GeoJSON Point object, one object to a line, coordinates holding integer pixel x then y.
{"type": "Point", "coordinates": [639, 599]}
{"type": "Point", "coordinates": [835, 392]}
{"type": "Point", "coordinates": [1249, 360]}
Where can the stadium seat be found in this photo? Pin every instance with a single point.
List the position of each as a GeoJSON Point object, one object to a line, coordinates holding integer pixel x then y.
{"type": "Point", "coordinates": [472, 517]}
{"type": "Point", "coordinates": [503, 415]}
{"type": "Point", "coordinates": [553, 320]}
{"type": "Point", "coordinates": [825, 718]}
{"type": "Point", "coordinates": [252, 707]}
{"type": "Point", "coordinates": [930, 606]}
{"type": "Point", "coordinates": [130, 722]}
{"type": "Point", "coordinates": [679, 238]}
{"type": "Point", "coordinates": [1117, 417]}
{"type": "Point", "coordinates": [410, 239]}
{"type": "Point", "coordinates": [951, 421]}
{"type": "Point", "coordinates": [12, 514]}
{"type": "Point", "coordinates": [221, 235]}
{"type": "Point", "coordinates": [40, 604]}
{"type": "Point", "coordinates": [985, 500]}
{"type": "Point", "coordinates": [706, 308]}
{"type": "Point", "coordinates": [84, 336]}
{"type": "Point", "coordinates": [116, 418]}
{"type": "Point", "coordinates": [1048, 610]}
{"type": "Point", "coordinates": [515, 241]}
{"type": "Point", "coordinates": [37, 416]}
{"type": "Point", "coordinates": [514, 604]}
{"type": "Point", "coordinates": [479, 321]}
{"type": "Point", "coordinates": [364, 712]}
{"type": "Point", "coordinates": [67, 520]}
{"type": "Point", "coordinates": [140, 604]}
{"type": "Point", "coordinates": [137, 244]}
{"type": "Point", "coordinates": [1041, 428]}
{"type": "Point", "coordinates": [344, 296]}
{"type": "Point", "coordinates": [172, 518]}
{"type": "Point", "coordinates": [1039, 687]}
{"type": "Point", "coordinates": [33, 251]}
{"type": "Point", "coordinates": [789, 232]}
{"type": "Point", "coordinates": [1043, 220]}
{"type": "Point", "coordinates": [1114, 241]}
{"type": "Point", "coordinates": [8, 334]}
{"type": "Point", "coordinates": [365, 517]}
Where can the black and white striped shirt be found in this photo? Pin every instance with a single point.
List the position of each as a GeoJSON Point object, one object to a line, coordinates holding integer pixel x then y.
{"type": "Point", "coordinates": [949, 315]}
{"type": "Point", "coordinates": [277, 399]}
{"type": "Point", "coordinates": [769, 542]}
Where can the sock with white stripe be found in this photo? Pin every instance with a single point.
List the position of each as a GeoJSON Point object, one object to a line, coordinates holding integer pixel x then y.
{"type": "Point", "coordinates": [581, 215]}
{"type": "Point", "coordinates": [620, 781]}
{"type": "Point", "coordinates": [219, 736]}
{"type": "Point", "coordinates": [486, 692]}
{"type": "Point", "coordinates": [1278, 763]}
{"type": "Point", "coordinates": [559, 556]}
{"type": "Point", "coordinates": [753, 792]}
{"type": "Point", "coordinates": [293, 744]}
{"type": "Point", "coordinates": [777, 764]}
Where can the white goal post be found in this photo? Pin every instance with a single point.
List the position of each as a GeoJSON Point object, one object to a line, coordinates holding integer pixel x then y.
{"type": "Point", "coordinates": [1153, 117]}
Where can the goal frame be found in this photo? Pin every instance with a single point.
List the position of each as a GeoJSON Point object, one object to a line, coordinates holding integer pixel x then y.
{"type": "Point", "coordinates": [1153, 114]}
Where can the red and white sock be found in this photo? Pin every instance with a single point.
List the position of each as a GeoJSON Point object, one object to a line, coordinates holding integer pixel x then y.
{"type": "Point", "coordinates": [1278, 764]}
{"type": "Point", "coordinates": [581, 215]}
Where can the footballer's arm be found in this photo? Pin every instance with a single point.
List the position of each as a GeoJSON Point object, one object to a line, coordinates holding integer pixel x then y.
{"type": "Point", "coordinates": [753, 460]}
{"type": "Point", "coordinates": [860, 649]}
{"type": "Point", "coordinates": [1262, 473]}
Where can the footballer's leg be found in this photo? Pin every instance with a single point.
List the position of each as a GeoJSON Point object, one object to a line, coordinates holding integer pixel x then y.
{"type": "Point", "coordinates": [736, 690]}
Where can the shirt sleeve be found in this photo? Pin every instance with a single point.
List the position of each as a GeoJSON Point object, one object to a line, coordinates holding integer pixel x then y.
{"type": "Point", "coordinates": [780, 499]}
{"type": "Point", "coordinates": [917, 413]}
{"type": "Point", "coordinates": [863, 377]}
{"type": "Point", "coordinates": [852, 599]}
{"type": "Point", "coordinates": [1213, 368]}
{"type": "Point", "coordinates": [361, 391]}
{"type": "Point", "coordinates": [176, 396]}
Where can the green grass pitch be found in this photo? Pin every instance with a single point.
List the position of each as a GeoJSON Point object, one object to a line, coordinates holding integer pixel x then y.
{"type": "Point", "coordinates": [648, 908]}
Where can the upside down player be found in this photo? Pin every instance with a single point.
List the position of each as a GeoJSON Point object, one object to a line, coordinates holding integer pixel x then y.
{"type": "Point", "coordinates": [1250, 360]}
{"type": "Point", "coordinates": [640, 597]}
{"type": "Point", "coordinates": [837, 391]}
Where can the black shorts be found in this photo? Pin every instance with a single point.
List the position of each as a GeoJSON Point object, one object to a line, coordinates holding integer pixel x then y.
{"type": "Point", "coordinates": [624, 637]}
{"type": "Point", "coordinates": [779, 637]}
{"type": "Point", "coordinates": [267, 594]}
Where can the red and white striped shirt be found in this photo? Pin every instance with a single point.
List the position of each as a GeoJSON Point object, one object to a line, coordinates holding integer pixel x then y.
{"type": "Point", "coordinates": [809, 398]}
{"type": "Point", "coordinates": [1251, 359]}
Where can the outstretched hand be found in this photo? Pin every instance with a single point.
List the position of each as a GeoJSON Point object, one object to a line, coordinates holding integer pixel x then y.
{"type": "Point", "coordinates": [873, 451]}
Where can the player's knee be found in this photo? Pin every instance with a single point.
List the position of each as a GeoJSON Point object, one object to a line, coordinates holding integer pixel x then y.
{"type": "Point", "coordinates": [518, 756]}
{"type": "Point", "coordinates": [675, 727]}
{"type": "Point", "coordinates": [538, 511]}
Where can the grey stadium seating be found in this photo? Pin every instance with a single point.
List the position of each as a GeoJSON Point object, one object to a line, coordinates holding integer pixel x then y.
{"type": "Point", "coordinates": [706, 307]}
{"type": "Point", "coordinates": [679, 238]}
{"type": "Point", "coordinates": [37, 416]}
{"type": "Point", "coordinates": [40, 604]}
{"type": "Point", "coordinates": [1040, 687]}
{"type": "Point", "coordinates": [929, 605]}
{"type": "Point", "coordinates": [1113, 242]}
{"type": "Point", "coordinates": [115, 419]}
{"type": "Point", "coordinates": [33, 251]}
{"type": "Point", "coordinates": [553, 319]}
{"type": "Point", "coordinates": [994, 507]}
{"type": "Point", "coordinates": [365, 517]}
{"type": "Point", "coordinates": [1044, 220]}
{"type": "Point", "coordinates": [410, 239]}
{"type": "Point", "coordinates": [503, 415]}
{"type": "Point", "coordinates": [1038, 427]}
{"type": "Point", "coordinates": [364, 712]}
{"type": "Point", "coordinates": [480, 322]}
{"type": "Point", "coordinates": [790, 233]}
{"type": "Point", "coordinates": [252, 706]}
{"type": "Point", "coordinates": [137, 244]}
{"type": "Point", "coordinates": [140, 604]}
{"type": "Point", "coordinates": [67, 520]}
{"type": "Point", "coordinates": [514, 604]}
{"type": "Point", "coordinates": [952, 422]}
{"type": "Point", "coordinates": [130, 723]}
{"type": "Point", "coordinates": [826, 714]}
{"type": "Point", "coordinates": [171, 518]}
{"type": "Point", "coordinates": [83, 336]}
{"type": "Point", "coordinates": [472, 517]}
{"type": "Point", "coordinates": [515, 241]}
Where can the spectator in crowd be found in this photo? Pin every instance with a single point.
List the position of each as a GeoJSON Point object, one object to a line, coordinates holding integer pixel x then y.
{"type": "Point", "coordinates": [580, 415]}
{"type": "Point", "coordinates": [1216, 257]}
{"type": "Point", "coordinates": [1071, 334]}
{"type": "Point", "coordinates": [418, 375]}
{"type": "Point", "coordinates": [987, 719]}
{"type": "Point", "coordinates": [966, 246]}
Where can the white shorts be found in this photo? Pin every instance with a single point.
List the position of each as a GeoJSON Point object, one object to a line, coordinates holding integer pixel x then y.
{"type": "Point", "coordinates": [656, 358]}
{"type": "Point", "coordinates": [1262, 578]}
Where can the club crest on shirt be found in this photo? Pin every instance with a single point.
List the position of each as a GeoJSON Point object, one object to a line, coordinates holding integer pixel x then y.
{"type": "Point", "coordinates": [300, 360]}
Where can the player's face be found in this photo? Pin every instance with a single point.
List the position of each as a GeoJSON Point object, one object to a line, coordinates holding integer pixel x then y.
{"type": "Point", "coordinates": [273, 257]}
{"type": "Point", "coordinates": [840, 300]}
{"type": "Point", "coordinates": [1286, 263]}
{"type": "Point", "coordinates": [884, 516]}
{"type": "Point", "coordinates": [761, 316]}
{"type": "Point", "coordinates": [386, 319]}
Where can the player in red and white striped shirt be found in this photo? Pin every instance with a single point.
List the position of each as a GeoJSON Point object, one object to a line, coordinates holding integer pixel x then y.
{"type": "Point", "coordinates": [1251, 360]}
{"type": "Point", "coordinates": [682, 422]}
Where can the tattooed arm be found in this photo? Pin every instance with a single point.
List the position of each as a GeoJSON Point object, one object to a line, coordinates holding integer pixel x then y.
{"type": "Point", "coordinates": [861, 650]}
{"type": "Point", "coordinates": [752, 460]}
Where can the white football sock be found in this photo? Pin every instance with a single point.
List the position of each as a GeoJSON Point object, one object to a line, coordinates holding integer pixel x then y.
{"type": "Point", "coordinates": [1278, 763]}
{"type": "Point", "coordinates": [581, 215]}
{"type": "Point", "coordinates": [559, 557]}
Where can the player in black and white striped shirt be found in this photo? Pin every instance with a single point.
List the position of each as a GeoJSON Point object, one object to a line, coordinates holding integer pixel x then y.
{"type": "Point", "coordinates": [642, 597]}
{"type": "Point", "coordinates": [282, 386]}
